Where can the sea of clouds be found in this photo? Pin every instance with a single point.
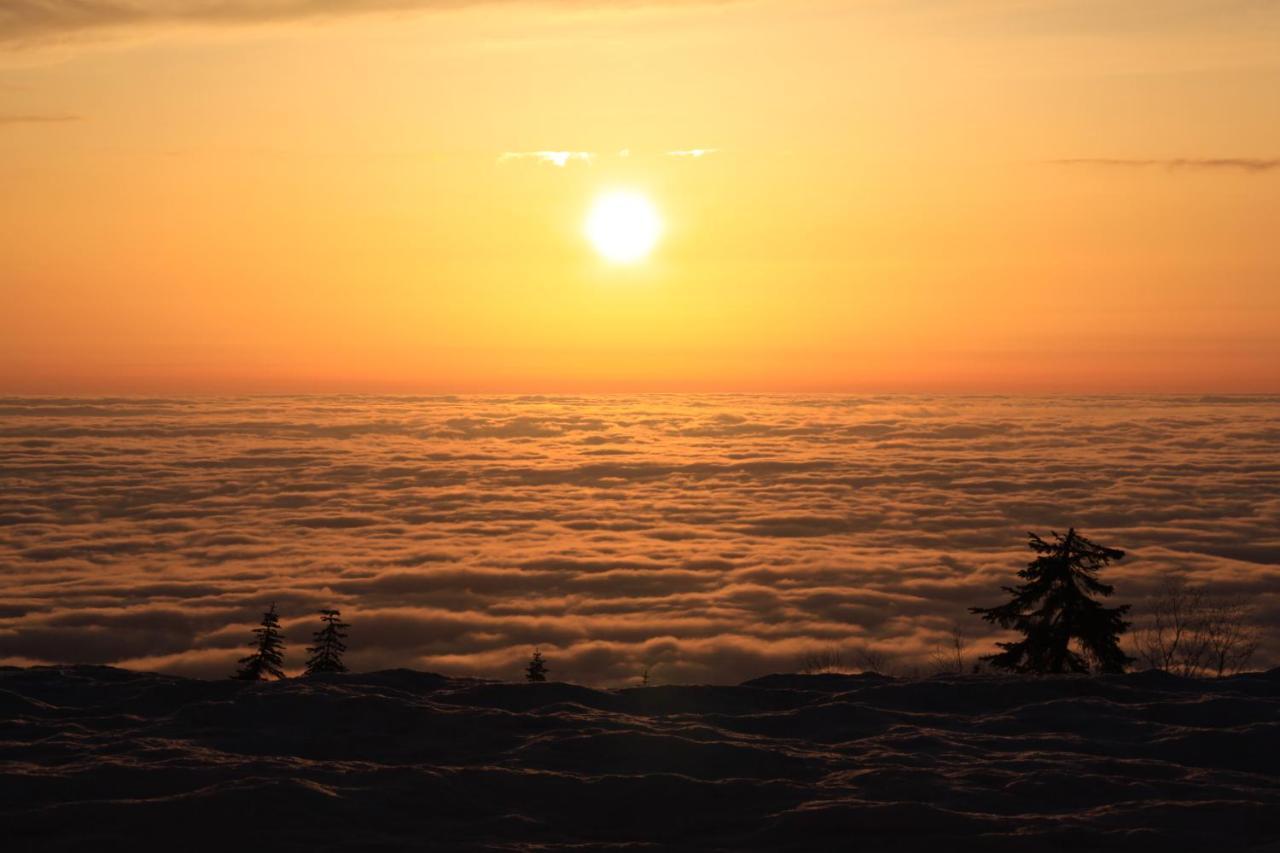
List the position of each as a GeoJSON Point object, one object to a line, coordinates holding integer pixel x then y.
{"type": "Point", "coordinates": [713, 538]}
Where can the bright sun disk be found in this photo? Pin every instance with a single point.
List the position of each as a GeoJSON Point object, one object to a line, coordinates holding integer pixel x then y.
{"type": "Point", "coordinates": [623, 226]}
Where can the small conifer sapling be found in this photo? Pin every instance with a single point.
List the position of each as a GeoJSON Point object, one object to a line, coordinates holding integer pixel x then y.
{"type": "Point", "coordinates": [267, 658]}
{"type": "Point", "coordinates": [537, 669]}
{"type": "Point", "coordinates": [326, 654]}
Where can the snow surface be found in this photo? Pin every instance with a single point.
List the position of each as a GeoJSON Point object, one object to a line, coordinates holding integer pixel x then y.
{"type": "Point", "coordinates": [107, 759]}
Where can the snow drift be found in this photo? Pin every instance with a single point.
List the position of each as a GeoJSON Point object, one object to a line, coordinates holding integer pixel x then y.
{"type": "Point", "coordinates": [101, 758]}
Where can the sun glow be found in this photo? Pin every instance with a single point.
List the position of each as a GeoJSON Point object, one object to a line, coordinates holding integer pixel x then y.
{"type": "Point", "coordinates": [623, 226]}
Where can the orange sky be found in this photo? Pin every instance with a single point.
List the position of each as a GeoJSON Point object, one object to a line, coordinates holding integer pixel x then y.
{"type": "Point", "coordinates": [1044, 196]}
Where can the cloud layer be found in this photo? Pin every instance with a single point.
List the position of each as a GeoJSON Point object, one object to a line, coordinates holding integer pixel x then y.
{"type": "Point", "coordinates": [717, 537]}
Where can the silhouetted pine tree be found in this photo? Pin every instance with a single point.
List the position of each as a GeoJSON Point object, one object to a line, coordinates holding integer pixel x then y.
{"type": "Point", "coordinates": [536, 670]}
{"type": "Point", "coordinates": [1060, 584]}
{"type": "Point", "coordinates": [268, 654]}
{"type": "Point", "coordinates": [326, 654]}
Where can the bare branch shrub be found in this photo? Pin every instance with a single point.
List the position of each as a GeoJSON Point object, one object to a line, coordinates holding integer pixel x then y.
{"type": "Point", "coordinates": [860, 658]}
{"type": "Point", "coordinates": [871, 659]}
{"type": "Point", "coordinates": [820, 661]}
{"type": "Point", "coordinates": [1230, 640]}
{"type": "Point", "coordinates": [948, 657]}
{"type": "Point", "coordinates": [1170, 638]}
{"type": "Point", "coordinates": [1190, 633]}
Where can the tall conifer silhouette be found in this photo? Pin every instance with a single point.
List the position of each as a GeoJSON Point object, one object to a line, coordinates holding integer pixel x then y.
{"type": "Point", "coordinates": [1056, 606]}
{"type": "Point", "coordinates": [268, 650]}
{"type": "Point", "coordinates": [326, 654]}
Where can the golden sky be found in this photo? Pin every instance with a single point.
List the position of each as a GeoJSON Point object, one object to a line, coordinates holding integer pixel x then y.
{"type": "Point", "coordinates": [893, 195]}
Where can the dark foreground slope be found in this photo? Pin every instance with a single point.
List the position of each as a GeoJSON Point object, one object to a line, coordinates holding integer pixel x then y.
{"type": "Point", "coordinates": [97, 758]}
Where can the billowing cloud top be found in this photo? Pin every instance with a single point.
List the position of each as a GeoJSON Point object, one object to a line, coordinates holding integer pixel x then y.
{"type": "Point", "coordinates": [717, 538]}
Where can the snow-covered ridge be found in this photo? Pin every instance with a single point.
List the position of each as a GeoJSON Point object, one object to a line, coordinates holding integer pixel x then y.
{"type": "Point", "coordinates": [102, 758]}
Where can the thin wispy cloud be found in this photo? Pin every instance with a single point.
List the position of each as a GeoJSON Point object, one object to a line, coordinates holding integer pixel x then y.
{"type": "Point", "coordinates": [560, 159]}
{"type": "Point", "coordinates": [37, 119]}
{"type": "Point", "coordinates": [36, 21]}
{"type": "Point", "coordinates": [1236, 164]}
{"type": "Point", "coordinates": [40, 20]}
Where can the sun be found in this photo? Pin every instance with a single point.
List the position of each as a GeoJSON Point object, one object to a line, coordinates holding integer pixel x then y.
{"type": "Point", "coordinates": [624, 226]}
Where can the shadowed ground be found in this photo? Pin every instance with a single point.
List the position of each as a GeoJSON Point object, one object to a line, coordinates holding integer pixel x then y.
{"type": "Point", "coordinates": [94, 757]}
